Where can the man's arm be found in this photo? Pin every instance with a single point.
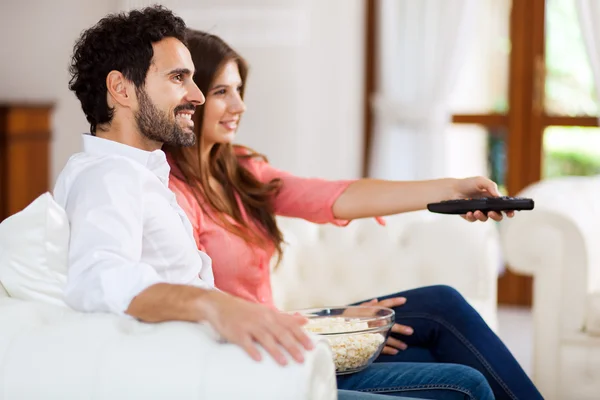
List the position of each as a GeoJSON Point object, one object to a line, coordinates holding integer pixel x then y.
{"type": "Point", "coordinates": [240, 322]}
{"type": "Point", "coordinates": [167, 302]}
{"type": "Point", "coordinates": [105, 211]}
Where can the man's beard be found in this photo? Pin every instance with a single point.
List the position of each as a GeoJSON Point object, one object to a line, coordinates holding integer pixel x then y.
{"type": "Point", "coordinates": [156, 125]}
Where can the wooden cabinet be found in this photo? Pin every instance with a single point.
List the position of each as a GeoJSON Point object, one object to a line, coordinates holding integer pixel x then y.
{"type": "Point", "coordinates": [24, 155]}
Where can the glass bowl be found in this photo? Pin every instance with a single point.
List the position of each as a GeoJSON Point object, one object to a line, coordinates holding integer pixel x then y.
{"type": "Point", "coordinates": [356, 334]}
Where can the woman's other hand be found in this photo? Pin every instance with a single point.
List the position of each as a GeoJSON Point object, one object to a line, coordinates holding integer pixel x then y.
{"type": "Point", "coordinates": [392, 345]}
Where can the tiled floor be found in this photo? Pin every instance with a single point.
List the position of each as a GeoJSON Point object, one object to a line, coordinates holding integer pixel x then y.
{"type": "Point", "coordinates": [516, 330]}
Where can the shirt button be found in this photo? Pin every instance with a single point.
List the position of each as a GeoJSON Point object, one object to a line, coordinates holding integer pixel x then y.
{"type": "Point", "coordinates": [263, 299]}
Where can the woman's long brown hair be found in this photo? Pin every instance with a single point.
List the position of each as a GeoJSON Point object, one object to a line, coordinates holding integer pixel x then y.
{"type": "Point", "coordinates": [209, 54]}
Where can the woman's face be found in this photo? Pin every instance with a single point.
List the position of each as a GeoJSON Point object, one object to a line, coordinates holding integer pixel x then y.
{"type": "Point", "coordinates": [223, 107]}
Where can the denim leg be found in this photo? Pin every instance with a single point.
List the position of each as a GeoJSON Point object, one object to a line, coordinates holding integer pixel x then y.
{"type": "Point", "coordinates": [354, 395]}
{"type": "Point", "coordinates": [453, 332]}
{"type": "Point", "coordinates": [420, 381]}
{"type": "Point", "coordinates": [412, 354]}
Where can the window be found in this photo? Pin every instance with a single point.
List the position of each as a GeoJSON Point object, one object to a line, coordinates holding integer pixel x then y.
{"type": "Point", "coordinates": [536, 111]}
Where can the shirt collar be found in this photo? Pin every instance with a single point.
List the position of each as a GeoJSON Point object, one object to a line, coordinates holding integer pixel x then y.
{"type": "Point", "coordinates": [155, 161]}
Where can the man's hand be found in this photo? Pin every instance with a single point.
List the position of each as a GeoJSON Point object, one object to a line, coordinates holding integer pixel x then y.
{"type": "Point", "coordinates": [392, 345]}
{"type": "Point", "coordinates": [236, 320]}
{"type": "Point", "coordinates": [477, 187]}
{"type": "Point", "coordinates": [247, 324]}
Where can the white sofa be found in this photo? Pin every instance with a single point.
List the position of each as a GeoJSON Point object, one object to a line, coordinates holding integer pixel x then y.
{"type": "Point", "coordinates": [328, 265]}
{"type": "Point", "coordinates": [70, 355]}
{"type": "Point", "coordinates": [48, 351]}
{"type": "Point", "coordinates": [558, 243]}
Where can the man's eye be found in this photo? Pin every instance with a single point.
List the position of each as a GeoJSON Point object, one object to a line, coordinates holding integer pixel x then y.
{"type": "Point", "coordinates": [178, 78]}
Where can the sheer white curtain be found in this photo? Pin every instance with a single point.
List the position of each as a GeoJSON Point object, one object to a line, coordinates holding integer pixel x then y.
{"type": "Point", "coordinates": [588, 12]}
{"type": "Point", "coordinates": [422, 44]}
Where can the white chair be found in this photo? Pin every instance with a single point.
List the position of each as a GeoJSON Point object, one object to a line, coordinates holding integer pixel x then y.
{"type": "Point", "coordinates": [558, 243]}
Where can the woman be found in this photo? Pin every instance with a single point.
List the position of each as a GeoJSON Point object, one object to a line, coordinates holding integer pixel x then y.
{"type": "Point", "coordinates": [439, 348]}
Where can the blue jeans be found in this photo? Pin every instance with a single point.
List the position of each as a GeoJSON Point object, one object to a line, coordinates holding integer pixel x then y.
{"type": "Point", "coordinates": [452, 354]}
{"type": "Point", "coordinates": [420, 380]}
{"type": "Point", "coordinates": [354, 395]}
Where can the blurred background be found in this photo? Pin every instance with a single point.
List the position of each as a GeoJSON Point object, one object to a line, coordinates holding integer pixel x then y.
{"type": "Point", "coordinates": [406, 89]}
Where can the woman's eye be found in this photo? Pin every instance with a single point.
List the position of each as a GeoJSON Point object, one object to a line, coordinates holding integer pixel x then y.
{"type": "Point", "coordinates": [220, 91]}
{"type": "Point", "coordinates": [239, 89]}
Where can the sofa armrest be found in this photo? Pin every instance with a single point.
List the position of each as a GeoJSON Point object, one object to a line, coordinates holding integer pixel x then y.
{"type": "Point", "coordinates": [557, 243]}
{"type": "Point", "coordinates": [71, 355]}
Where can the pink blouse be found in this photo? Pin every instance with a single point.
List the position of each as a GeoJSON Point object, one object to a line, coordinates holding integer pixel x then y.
{"type": "Point", "coordinates": [242, 268]}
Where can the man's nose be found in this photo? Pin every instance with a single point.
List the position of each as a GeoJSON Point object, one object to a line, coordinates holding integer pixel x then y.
{"type": "Point", "coordinates": [195, 95]}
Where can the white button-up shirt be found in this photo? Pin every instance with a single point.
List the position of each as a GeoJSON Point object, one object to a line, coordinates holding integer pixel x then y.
{"type": "Point", "coordinates": [127, 230]}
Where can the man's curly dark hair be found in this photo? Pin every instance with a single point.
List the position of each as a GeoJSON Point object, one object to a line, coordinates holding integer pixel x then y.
{"type": "Point", "coordinates": [121, 42]}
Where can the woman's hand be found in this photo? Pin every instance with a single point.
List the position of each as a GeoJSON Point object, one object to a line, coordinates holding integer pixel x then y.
{"type": "Point", "coordinates": [392, 345]}
{"type": "Point", "coordinates": [476, 187]}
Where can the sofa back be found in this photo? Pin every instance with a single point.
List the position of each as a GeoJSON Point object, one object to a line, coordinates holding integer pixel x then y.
{"type": "Point", "coordinates": [325, 265]}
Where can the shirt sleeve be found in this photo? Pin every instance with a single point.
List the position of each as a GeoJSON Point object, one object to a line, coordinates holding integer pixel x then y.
{"type": "Point", "coordinates": [309, 198]}
{"type": "Point", "coordinates": [104, 208]}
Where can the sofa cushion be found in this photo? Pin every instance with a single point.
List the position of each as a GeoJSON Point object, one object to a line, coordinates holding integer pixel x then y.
{"type": "Point", "coordinates": [33, 252]}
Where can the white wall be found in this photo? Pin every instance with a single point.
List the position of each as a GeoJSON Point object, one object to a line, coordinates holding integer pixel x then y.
{"type": "Point", "coordinates": [304, 94]}
{"type": "Point", "coordinates": [305, 89]}
{"type": "Point", "coordinates": [38, 38]}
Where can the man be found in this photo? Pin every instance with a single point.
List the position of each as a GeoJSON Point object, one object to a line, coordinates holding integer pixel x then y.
{"type": "Point", "coordinates": [132, 251]}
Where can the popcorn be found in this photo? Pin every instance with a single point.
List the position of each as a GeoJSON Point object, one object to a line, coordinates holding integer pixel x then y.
{"type": "Point", "coordinates": [350, 351]}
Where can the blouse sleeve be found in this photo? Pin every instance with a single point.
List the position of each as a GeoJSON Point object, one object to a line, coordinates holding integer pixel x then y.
{"type": "Point", "coordinates": [309, 198]}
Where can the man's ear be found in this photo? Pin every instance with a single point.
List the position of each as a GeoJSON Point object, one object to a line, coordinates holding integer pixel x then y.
{"type": "Point", "coordinates": [120, 89]}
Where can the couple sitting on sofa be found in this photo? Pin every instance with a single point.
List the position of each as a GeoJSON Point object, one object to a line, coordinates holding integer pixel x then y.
{"type": "Point", "coordinates": [137, 249]}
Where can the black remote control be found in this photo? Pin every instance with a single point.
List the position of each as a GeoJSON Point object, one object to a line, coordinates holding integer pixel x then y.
{"type": "Point", "coordinates": [484, 204]}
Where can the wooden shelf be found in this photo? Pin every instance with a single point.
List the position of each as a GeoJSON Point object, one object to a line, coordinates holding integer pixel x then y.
{"type": "Point", "coordinates": [25, 138]}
